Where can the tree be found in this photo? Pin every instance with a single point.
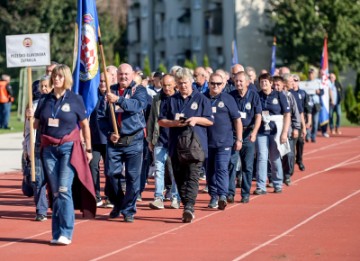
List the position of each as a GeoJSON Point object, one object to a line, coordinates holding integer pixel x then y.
{"type": "Point", "coordinates": [206, 61]}
{"type": "Point", "coordinates": [162, 68]}
{"type": "Point", "coordinates": [300, 27]}
{"type": "Point", "coordinates": [147, 69]}
{"type": "Point", "coordinates": [56, 18]}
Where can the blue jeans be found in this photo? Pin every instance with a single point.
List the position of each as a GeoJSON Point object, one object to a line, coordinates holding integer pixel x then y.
{"type": "Point", "coordinates": [335, 110]}
{"type": "Point", "coordinates": [132, 157]}
{"type": "Point", "coordinates": [267, 149]}
{"type": "Point", "coordinates": [39, 187]}
{"type": "Point", "coordinates": [315, 125]}
{"type": "Point", "coordinates": [161, 155]}
{"type": "Point", "coordinates": [5, 109]}
{"type": "Point", "coordinates": [217, 175]}
{"type": "Point", "coordinates": [60, 176]}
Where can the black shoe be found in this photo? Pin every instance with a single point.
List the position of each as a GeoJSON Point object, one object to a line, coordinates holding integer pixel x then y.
{"type": "Point", "coordinates": [114, 213]}
{"type": "Point", "coordinates": [270, 185]}
{"type": "Point", "coordinates": [245, 200]}
{"type": "Point", "coordinates": [188, 216]}
{"type": "Point", "coordinates": [222, 203]}
{"type": "Point", "coordinates": [301, 166]}
{"type": "Point", "coordinates": [313, 141]}
{"type": "Point", "coordinates": [277, 190]}
{"type": "Point", "coordinates": [129, 219]}
{"type": "Point", "coordinates": [287, 181]}
{"type": "Point", "coordinates": [230, 199]}
{"type": "Point", "coordinates": [40, 217]}
{"type": "Point", "coordinates": [259, 192]}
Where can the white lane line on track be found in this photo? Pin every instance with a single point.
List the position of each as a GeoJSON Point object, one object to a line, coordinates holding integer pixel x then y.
{"type": "Point", "coordinates": [214, 213]}
{"type": "Point", "coordinates": [184, 225]}
{"type": "Point", "coordinates": [8, 191]}
{"type": "Point", "coordinates": [331, 145]}
{"type": "Point", "coordinates": [296, 226]}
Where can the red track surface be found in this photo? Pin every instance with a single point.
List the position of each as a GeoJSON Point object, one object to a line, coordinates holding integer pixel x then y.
{"type": "Point", "coordinates": [316, 218]}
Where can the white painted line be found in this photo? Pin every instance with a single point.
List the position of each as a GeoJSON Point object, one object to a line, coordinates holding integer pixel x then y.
{"type": "Point", "coordinates": [8, 191]}
{"type": "Point", "coordinates": [295, 227]}
{"type": "Point", "coordinates": [331, 145]}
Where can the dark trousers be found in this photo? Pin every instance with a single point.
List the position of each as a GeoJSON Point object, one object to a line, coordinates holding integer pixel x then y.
{"type": "Point", "coordinates": [147, 160]}
{"type": "Point", "coordinates": [99, 151]}
{"type": "Point", "coordinates": [187, 180]}
{"type": "Point", "coordinates": [299, 149]}
{"type": "Point", "coordinates": [288, 161]}
{"type": "Point", "coordinates": [132, 157]}
{"type": "Point", "coordinates": [217, 175]}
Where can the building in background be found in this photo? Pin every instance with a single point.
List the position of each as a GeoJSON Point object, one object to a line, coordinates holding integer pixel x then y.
{"type": "Point", "coordinates": [170, 31]}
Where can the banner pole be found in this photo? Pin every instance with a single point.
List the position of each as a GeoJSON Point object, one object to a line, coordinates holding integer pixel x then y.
{"type": "Point", "coordinates": [113, 119]}
{"type": "Point", "coordinates": [31, 123]}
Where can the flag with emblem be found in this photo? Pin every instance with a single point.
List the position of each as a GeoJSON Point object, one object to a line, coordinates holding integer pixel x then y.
{"type": "Point", "coordinates": [325, 85]}
{"type": "Point", "coordinates": [86, 69]}
{"type": "Point", "coordinates": [234, 59]}
{"type": "Point", "coordinates": [273, 58]}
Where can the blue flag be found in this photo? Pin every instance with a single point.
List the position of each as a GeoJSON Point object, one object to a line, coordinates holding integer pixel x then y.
{"type": "Point", "coordinates": [273, 58]}
{"type": "Point", "coordinates": [234, 59]}
{"type": "Point", "coordinates": [86, 70]}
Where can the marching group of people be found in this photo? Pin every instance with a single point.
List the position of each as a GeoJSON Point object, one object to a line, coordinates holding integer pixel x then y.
{"type": "Point", "coordinates": [232, 127]}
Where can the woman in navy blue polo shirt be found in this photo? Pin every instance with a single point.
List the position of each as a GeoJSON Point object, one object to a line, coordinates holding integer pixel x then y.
{"type": "Point", "coordinates": [58, 117]}
{"type": "Point", "coordinates": [272, 133]}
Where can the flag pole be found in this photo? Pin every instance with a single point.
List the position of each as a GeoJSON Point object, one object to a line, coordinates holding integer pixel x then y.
{"type": "Point", "coordinates": [113, 119]}
{"type": "Point", "coordinates": [31, 123]}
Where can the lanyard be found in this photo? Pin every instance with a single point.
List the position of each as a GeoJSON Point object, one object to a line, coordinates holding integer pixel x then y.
{"type": "Point", "coordinates": [54, 113]}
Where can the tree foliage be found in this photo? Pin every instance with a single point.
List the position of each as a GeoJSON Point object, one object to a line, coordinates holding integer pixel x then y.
{"type": "Point", "coordinates": [147, 68]}
{"type": "Point", "coordinates": [300, 27]}
{"type": "Point", "coordinates": [56, 18]}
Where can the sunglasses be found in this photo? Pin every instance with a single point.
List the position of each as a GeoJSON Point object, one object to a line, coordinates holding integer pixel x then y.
{"type": "Point", "coordinates": [216, 83]}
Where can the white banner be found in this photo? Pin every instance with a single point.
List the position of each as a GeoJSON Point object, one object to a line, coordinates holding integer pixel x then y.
{"type": "Point", "coordinates": [27, 50]}
{"type": "Point", "coordinates": [310, 87]}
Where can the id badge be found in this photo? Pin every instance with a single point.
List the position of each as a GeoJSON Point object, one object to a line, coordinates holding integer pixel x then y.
{"type": "Point", "coordinates": [243, 115]}
{"type": "Point", "coordinates": [178, 115]}
{"type": "Point", "coordinates": [53, 122]}
{"type": "Point", "coordinates": [265, 113]}
{"type": "Point", "coordinates": [213, 109]}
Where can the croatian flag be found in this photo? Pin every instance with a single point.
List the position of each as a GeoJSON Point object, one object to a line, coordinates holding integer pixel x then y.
{"type": "Point", "coordinates": [273, 58]}
{"type": "Point", "coordinates": [234, 59]}
{"type": "Point", "coordinates": [86, 70]}
{"type": "Point", "coordinates": [325, 85]}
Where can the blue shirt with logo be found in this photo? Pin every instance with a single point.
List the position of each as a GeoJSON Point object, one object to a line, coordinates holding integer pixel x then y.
{"type": "Point", "coordinates": [276, 104]}
{"type": "Point", "coordinates": [249, 106]}
{"type": "Point", "coordinates": [224, 109]}
{"type": "Point", "coordinates": [68, 109]}
{"type": "Point", "coordinates": [195, 105]}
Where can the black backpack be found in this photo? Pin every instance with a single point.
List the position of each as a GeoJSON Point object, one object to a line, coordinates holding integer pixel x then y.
{"type": "Point", "coordinates": [188, 147]}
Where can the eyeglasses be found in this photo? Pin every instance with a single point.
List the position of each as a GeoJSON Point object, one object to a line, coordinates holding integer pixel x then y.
{"type": "Point", "coordinates": [216, 83]}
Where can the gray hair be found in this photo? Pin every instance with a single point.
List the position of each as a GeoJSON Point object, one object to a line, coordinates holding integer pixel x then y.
{"type": "Point", "coordinates": [184, 73]}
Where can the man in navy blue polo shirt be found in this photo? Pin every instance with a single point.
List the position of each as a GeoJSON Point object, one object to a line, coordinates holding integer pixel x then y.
{"type": "Point", "coordinates": [200, 82]}
{"type": "Point", "coordinates": [187, 107]}
{"type": "Point", "coordinates": [129, 101]}
{"type": "Point", "coordinates": [220, 138]}
{"type": "Point", "coordinates": [248, 103]}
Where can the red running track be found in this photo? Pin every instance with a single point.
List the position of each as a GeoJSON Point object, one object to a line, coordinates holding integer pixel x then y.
{"type": "Point", "coordinates": [316, 218]}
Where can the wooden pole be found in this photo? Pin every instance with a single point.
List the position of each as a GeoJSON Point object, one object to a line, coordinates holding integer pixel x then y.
{"type": "Point", "coordinates": [31, 123]}
{"type": "Point", "coordinates": [113, 119]}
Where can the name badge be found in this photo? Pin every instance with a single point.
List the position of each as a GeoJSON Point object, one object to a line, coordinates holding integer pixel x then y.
{"type": "Point", "coordinates": [53, 122]}
{"type": "Point", "coordinates": [213, 109]}
{"type": "Point", "coordinates": [178, 115]}
{"type": "Point", "coordinates": [243, 115]}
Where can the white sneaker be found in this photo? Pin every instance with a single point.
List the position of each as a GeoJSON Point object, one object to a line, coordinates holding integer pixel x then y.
{"type": "Point", "coordinates": [157, 204]}
{"type": "Point", "coordinates": [63, 241]}
{"type": "Point", "coordinates": [175, 203]}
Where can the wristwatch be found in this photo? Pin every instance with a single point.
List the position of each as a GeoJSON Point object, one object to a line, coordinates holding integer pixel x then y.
{"type": "Point", "coordinates": [89, 150]}
{"type": "Point", "coordinates": [241, 140]}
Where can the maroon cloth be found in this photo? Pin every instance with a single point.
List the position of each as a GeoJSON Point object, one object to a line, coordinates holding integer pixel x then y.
{"type": "Point", "coordinates": [83, 186]}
